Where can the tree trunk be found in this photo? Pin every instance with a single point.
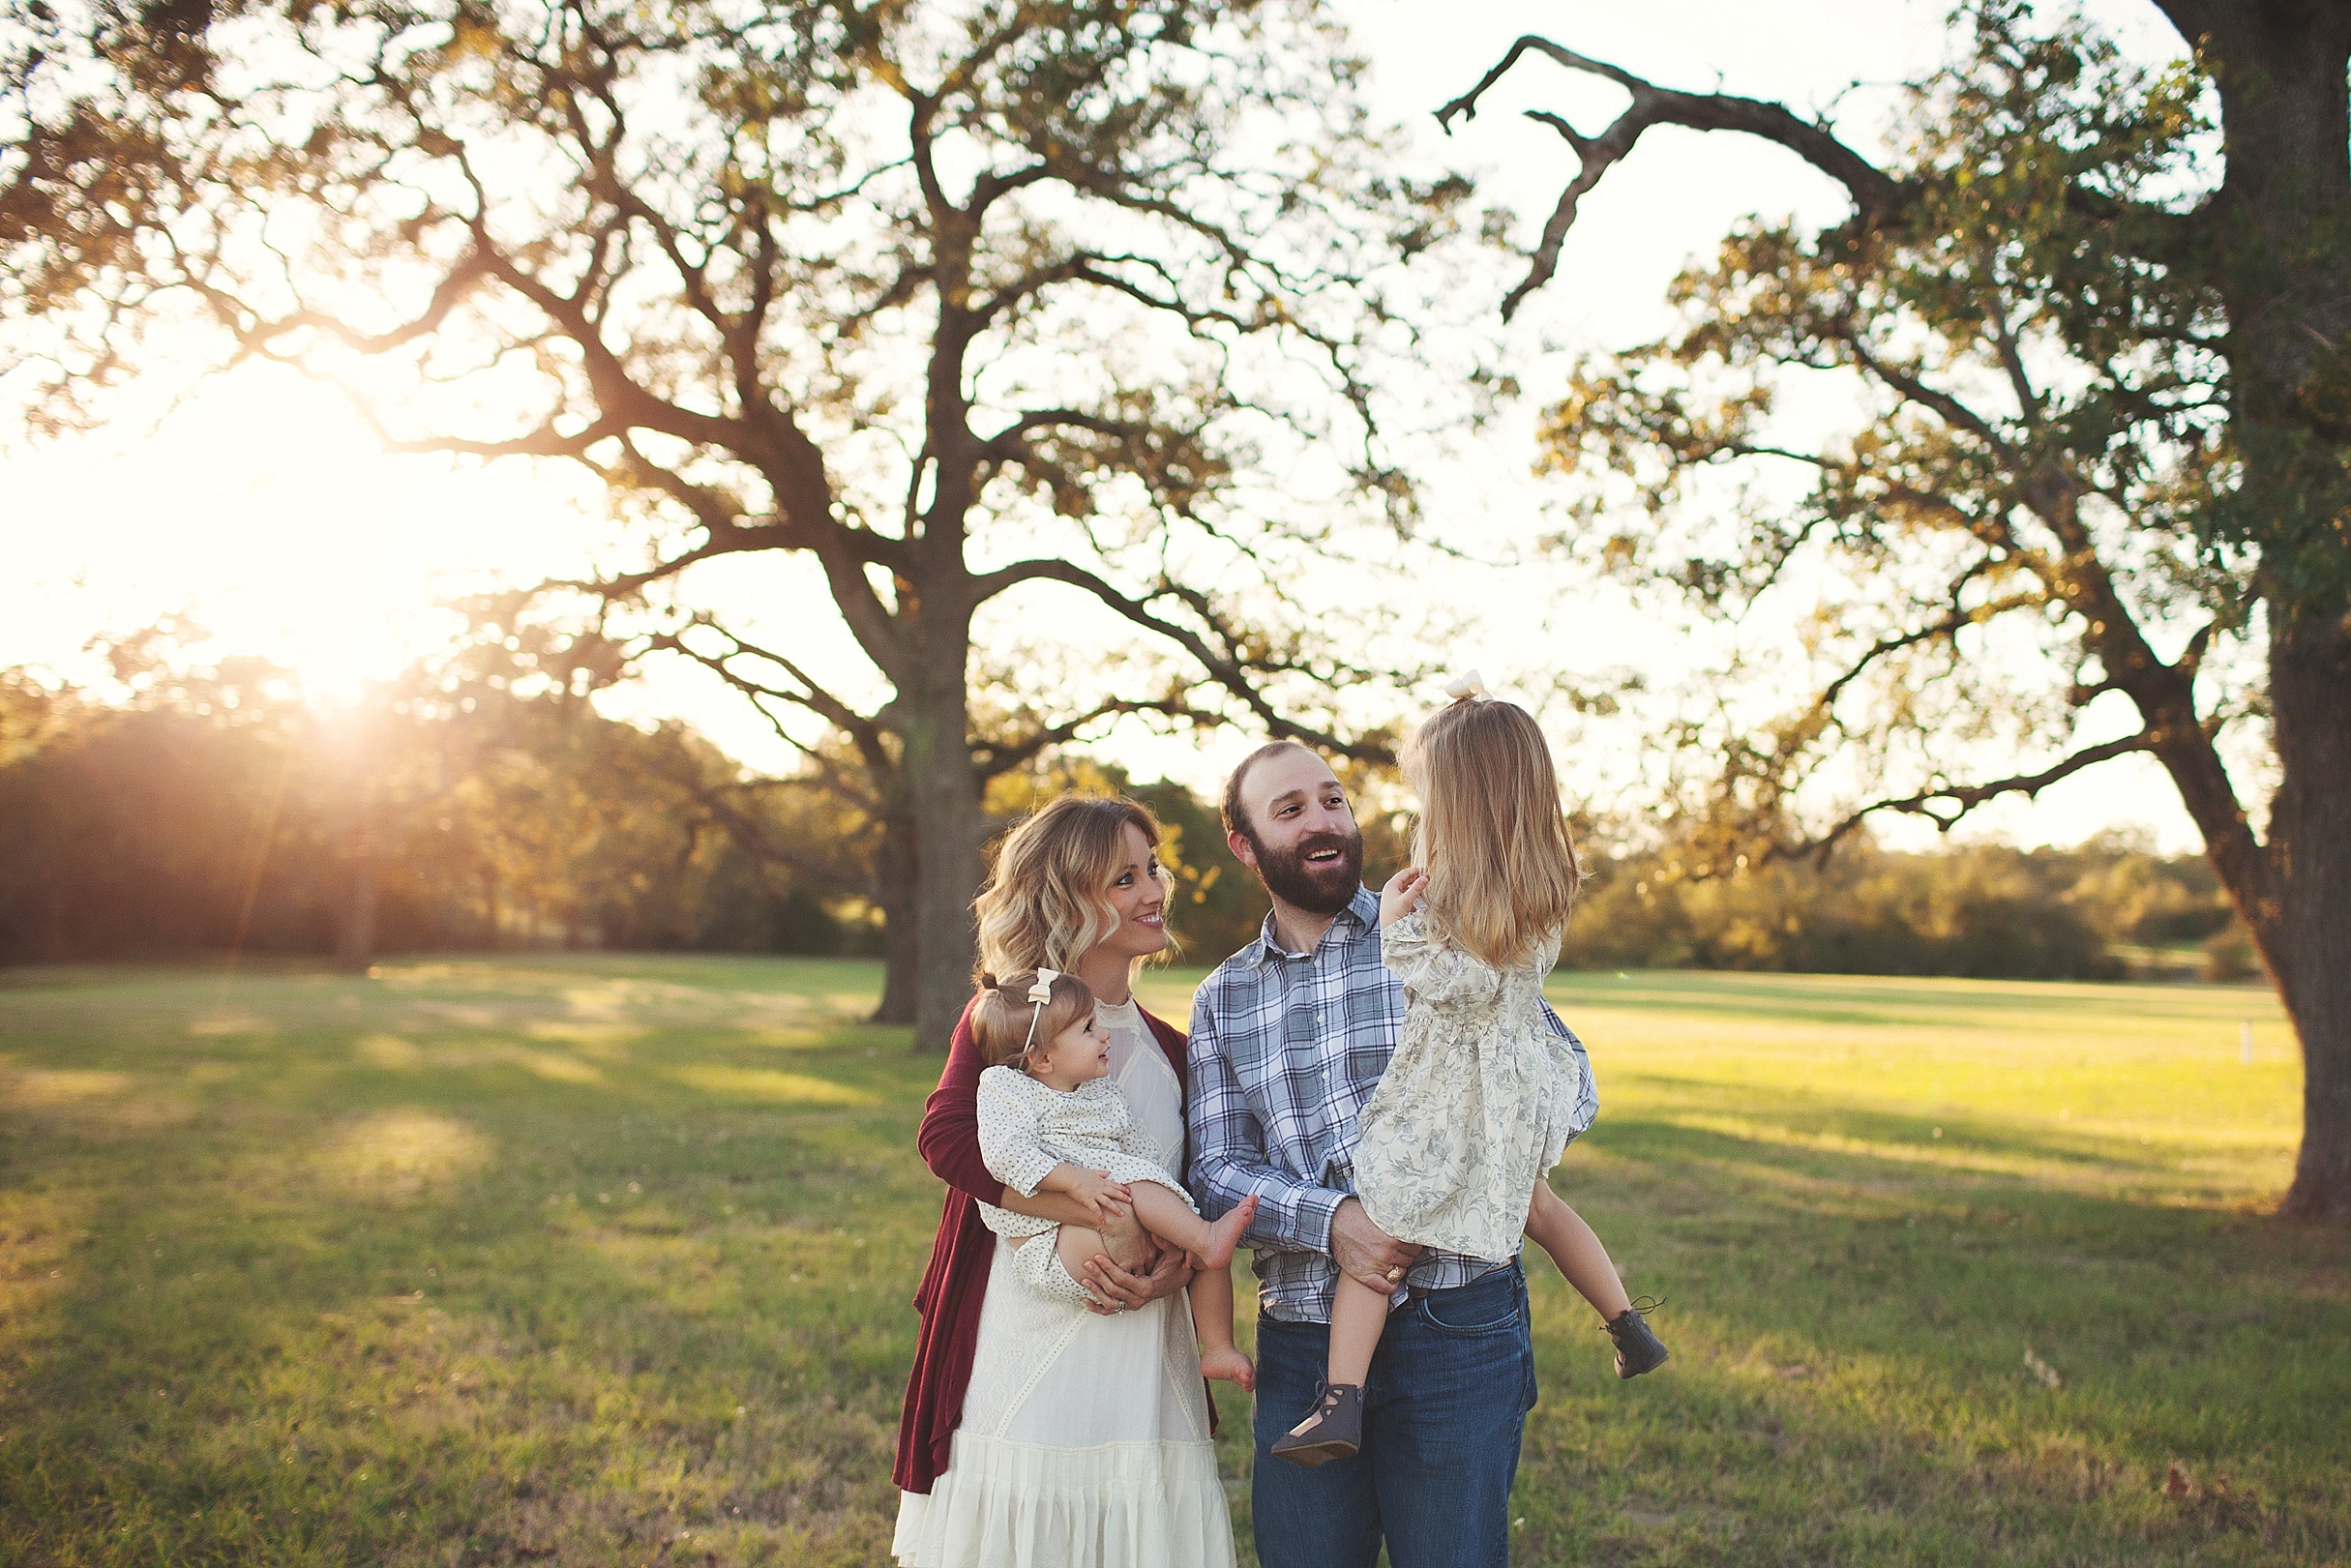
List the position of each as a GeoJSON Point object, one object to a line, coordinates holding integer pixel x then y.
{"type": "Point", "coordinates": [2311, 839]}
{"type": "Point", "coordinates": [897, 896]}
{"type": "Point", "coordinates": [2284, 236]}
{"type": "Point", "coordinates": [949, 829]}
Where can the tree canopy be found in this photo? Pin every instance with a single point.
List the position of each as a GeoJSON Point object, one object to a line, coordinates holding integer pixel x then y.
{"type": "Point", "coordinates": [2104, 450]}
{"type": "Point", "coordinates": [1075, 315]}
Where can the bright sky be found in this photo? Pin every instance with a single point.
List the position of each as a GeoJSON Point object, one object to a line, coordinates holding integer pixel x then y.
{"type": "Point", "coordinates": [262, 509]}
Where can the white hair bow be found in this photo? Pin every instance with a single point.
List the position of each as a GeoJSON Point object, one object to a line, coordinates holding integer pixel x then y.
{"type": "Point", "coordinates": [1040, 991]}
{"type": "Point", "coordinates": [1463, 687]}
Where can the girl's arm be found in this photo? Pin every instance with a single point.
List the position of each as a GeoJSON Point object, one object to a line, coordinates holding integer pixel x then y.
{"type": "Point", "coordinates": [1106, 1199]}
{"type": "Point", "coordinates": [1435, 974]}
{"type": "Point", "coordinates": [1012, 1141]}
{"type": "Point", "coordinates": [1058, 1208]}
{"type": "Point", "coordinates": [1011, 1132]}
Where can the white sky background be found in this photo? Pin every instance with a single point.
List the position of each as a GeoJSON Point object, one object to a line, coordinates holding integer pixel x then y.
{"type": "Point", "coordinates": [262, 507]}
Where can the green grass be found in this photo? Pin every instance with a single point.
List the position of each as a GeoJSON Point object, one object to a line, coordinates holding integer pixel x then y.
{"type": "Point", "coordinates": [607, 1260]}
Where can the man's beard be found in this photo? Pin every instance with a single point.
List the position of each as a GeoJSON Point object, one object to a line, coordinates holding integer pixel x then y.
{"type": "Point", "coordinates": [1323, 889]}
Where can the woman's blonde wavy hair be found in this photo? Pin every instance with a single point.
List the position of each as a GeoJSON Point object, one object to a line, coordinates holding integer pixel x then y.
{"type": "Point", "coordinates": [1046, 901]}
{"type": "Point", "coordinates": [1501, 869]}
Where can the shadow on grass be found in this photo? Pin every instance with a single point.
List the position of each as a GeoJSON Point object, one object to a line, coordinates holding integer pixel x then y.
{"type": "Point", "coordinates": [588, 1262]}
{"type": "Point", "coordinates": [1945, 1138]}
{"type": "Point", "coordinates": [506, 1298]}
{"type": "Point", "coordinates": [1851, 1381]}
{"type": "Point", "coordinates": [1882, 1001]}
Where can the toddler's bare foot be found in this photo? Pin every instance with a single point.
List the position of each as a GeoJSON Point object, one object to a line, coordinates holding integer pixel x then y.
{"type": "Point", "coordinates": [1224, 1236]}
{"type": "Point", "coordinates": [1227, 1365]}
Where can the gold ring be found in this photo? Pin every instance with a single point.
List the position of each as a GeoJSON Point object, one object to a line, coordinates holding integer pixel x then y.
{"type": "Point", "coordinates": [1394, 1274]}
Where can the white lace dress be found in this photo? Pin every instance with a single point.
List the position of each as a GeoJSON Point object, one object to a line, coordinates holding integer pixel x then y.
{"type": "Point", "coordinates": [1085, 1438]}
{"type": "Point", "coordinates": [1475, 1106]}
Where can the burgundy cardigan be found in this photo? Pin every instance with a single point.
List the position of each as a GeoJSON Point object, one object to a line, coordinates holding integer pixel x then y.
{"type": "Point", "coordinates": [956, 1282]}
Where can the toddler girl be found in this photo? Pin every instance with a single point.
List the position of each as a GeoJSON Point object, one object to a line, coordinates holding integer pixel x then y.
{"type": "Point", "coordinates": [1050, 1120]}
{"type": "Point", "coordinates": [1456, 1145]}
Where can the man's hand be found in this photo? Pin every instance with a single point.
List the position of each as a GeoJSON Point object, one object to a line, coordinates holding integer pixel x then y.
{"type": "Point", "coordinates": [1115, 1289]}
{"type": "Point", "coordinates": [1368, 1253]}
{"type": "Point", "coordinates": [1402, 895]}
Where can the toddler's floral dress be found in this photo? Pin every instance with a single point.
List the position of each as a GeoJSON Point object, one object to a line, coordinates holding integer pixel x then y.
{"type": "Point", "coordinates": [1476, 1104]}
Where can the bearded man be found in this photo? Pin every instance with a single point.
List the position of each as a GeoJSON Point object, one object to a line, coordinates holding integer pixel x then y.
{"type": "Point", "coordinates": [1290, 1036]}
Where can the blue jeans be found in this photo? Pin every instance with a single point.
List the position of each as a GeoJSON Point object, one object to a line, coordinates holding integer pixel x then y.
{"type": "Point", "coordinates": [1442, 1414]}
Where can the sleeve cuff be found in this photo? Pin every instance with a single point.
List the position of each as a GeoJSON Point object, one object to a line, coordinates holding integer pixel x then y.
{"type": "Point", "coordinates": [1027, 1179]}
{"type": "Point", "coordinates": [1301, 1218]}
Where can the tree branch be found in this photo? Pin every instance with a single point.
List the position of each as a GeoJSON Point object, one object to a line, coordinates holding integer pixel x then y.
{"type": "Point", "coordinates": [1949, 626]}
{"type": "Point", "coordinates": [1946, 806]}
{"type": "Point", "coordinates": [863, 732]}
{"type": "Point", "coordinates": [1222, 670]}
{"type": "Point", "coordinates": [993, 757]}
{"type": "Point", "coordinates": [1879, 200]}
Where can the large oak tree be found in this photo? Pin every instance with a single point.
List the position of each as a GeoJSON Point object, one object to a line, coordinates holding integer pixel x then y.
{"type": "Point", "coordinates": [2106, 455]}
{"type": "Point", "coordinates": [1069, 313]}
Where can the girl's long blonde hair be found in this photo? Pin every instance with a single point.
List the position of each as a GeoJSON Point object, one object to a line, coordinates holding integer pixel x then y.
{"type": "Point", "coordinates": [1501, 869]}
{"type": "Point", "coordinates": [1045, 901]}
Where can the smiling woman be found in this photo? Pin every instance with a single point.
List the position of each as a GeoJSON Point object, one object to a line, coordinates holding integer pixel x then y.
{"type": "Point", "coordinates": [1008, 1451]}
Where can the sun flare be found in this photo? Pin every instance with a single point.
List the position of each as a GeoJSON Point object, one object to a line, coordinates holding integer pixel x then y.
{"type": "Point", "coordinates": [264, 511]}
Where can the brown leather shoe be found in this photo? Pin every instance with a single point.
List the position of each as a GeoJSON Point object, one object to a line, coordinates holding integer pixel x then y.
{"type": "Point", "coordinates": [1638, 1348]}
{"type": "Point", "coordinates": [1335, 1429]}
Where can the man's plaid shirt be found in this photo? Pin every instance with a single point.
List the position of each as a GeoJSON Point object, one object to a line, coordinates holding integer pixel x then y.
{"type": "Point", "coordinates": [1286, 1048]}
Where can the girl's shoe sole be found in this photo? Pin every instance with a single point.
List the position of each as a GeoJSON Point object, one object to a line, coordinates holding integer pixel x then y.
{"type": "Point", "coordinates": [1313, 1456]}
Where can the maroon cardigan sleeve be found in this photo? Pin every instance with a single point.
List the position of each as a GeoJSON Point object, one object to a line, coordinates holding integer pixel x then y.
{"type": "Point", "coordinates": [949, 1139]}
{"type": "Point", "coordinates": [956, 1282]}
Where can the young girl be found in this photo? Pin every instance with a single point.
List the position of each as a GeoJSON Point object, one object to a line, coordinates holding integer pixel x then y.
{"type": "Point", "coordinates": [1456, 1145]}
{"type": "Point", "coordinates": [1050, 1119]}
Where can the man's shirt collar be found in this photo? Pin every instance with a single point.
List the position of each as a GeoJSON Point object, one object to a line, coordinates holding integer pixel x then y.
{"type": "Point", "coordinates": [1363, 910]}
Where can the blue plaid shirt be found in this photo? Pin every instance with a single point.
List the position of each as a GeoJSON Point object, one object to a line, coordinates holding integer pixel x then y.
{"type": "Point", "coordinates": [1286, 1048]}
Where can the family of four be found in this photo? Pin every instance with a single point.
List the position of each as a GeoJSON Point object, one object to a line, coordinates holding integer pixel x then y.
{"type": "Point", "coordinates": [1372, 1099]}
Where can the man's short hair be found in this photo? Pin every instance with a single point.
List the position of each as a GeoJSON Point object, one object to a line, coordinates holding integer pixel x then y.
{"type": "Point", "coordinates": [1237, 814]}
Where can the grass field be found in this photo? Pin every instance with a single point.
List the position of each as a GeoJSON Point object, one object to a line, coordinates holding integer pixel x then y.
{"type": "Point", "coordinates": [607, 1260]}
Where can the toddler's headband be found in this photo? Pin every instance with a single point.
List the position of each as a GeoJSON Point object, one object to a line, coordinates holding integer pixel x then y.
{"type": "Point", "coordinates": [1040, 993]}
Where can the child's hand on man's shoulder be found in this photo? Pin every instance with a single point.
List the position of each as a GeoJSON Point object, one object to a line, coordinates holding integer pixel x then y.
{"type": "Point", "coordinates": [1402, 895]}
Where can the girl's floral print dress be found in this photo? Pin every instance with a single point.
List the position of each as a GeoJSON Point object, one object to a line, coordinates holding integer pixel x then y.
{"type": "Point", "coordinates": [1476, 1104]}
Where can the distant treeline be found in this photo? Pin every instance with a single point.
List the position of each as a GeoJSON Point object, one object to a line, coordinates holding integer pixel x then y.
{"type": "Point", "coordinates": [218, 812]}
{"type": "Point", "coordinates": [2103, 911]}
{"type": "Point", "coordinates": [215, 814]}
{"type": "Point", "coordinates": [2107, 911]}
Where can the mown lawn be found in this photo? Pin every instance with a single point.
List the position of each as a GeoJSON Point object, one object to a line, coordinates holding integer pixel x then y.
{"type": "Point", "coordinates": [607, 1260]}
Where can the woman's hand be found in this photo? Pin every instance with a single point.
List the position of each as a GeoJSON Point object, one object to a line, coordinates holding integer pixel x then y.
{"type": "Point", "coordinates": [1115, 1289]}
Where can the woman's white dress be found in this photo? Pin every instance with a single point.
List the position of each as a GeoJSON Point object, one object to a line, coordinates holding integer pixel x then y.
{"type": "Point", "coordinates": [1476, 1104]}
{"type": "Point", "coordinates": [1085, 1438]}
